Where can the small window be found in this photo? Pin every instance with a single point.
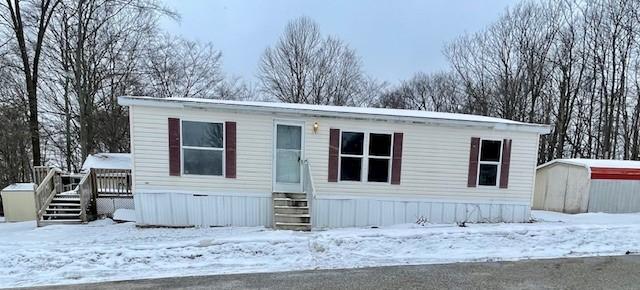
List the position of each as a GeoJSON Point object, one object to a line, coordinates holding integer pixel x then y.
{"type": "Point", "coordinates": [202, 148]}
{"type": "Point", "coordinates": [490, 151]}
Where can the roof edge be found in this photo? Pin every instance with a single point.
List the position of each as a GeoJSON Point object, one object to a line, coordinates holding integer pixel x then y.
{"type": "Point", "coordinates": [564, 161]}
{"type": "Point", "coordinates": [166, 103]}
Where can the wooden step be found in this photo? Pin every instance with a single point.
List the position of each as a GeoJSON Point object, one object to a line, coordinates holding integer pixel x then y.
{"type": "Point", "coordinates": [292, 218]}
{"type": "Point", "coordinates": [289, 195]}
{"type": "Point", "coordinates": [292, 215]}
{"type": "Point", "coordinates": [63, 209]}
{"type": "Point", "coordinates": [67, 195]}
{"type": "Point", "coordinates": [58, 222]}
{"type": "Point", "coordinates": [55, 199]}
{"type": "Point", "coordinates": [290, 202]}
{"type": "Point", "coordinates": [293, 226]}
{"type": "Point", "coordinates": [64, 204]}
{"type": "Point", "coordinates": [290, 199]}
{"type": "Point", "coordinates": [291, 209]}
{"type": "Point", "coordinates": [62, 215]}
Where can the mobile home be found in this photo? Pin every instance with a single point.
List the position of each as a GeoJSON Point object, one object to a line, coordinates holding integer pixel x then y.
{"type": "Point", "coordinates": [233, 163]}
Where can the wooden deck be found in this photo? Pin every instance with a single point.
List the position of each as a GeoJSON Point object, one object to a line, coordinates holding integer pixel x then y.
{"type": "Point", "coordinates": [60, 200]}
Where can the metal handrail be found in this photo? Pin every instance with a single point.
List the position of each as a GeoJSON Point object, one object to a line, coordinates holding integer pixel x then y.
{"type": "Point", "coordinates": [309, 179]}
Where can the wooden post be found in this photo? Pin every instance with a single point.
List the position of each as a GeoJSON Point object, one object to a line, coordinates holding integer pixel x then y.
{"type": "Point", "coordinates": [94, 193]}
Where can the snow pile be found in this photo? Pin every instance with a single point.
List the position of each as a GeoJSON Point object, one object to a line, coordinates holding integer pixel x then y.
{"type": "Point", "coordinates": [107, 161]}
{"type": "Point", "coordinates": [591, 218]}
{"type": "Point", "coordinates": [104, 250]}
{"type": "Point", "coordinates": [124, 215]}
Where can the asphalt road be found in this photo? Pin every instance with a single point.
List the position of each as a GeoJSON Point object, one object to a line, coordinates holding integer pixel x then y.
{"type": "Point", "coordinates": [622, 272]}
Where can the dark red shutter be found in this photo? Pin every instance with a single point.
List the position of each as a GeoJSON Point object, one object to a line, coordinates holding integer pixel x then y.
{"type": "Point", "coordinates": [396, 162]}
{"type": "Point", "coordinates": [230, 149]}
{"type": "Point", "coordinates": [472, 177]}
{"type": "Point", "coordinates": [334, 144]}
{"type": "Point", "coordinates": [174, 147]}
{"type": "Point", "coordinates": [506, 162]}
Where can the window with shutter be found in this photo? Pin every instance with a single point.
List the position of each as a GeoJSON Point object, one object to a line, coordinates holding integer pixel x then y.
{"type": "Point", "coordinates": [489, 162]}
{"type": "Point", "coordinates": [202, 148]}
{"type": "Point", "coordinates": [366, 156]}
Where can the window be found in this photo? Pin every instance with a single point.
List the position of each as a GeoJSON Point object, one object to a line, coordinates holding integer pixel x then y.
{"type": "Point", "coordinates": [202, 148]}
{"type": "Point", "coordinates": [355, 160]}
{"type": "Point", "coordinates": [489, 163]}
{"type": "Point", "coordinates": [352, 154]}
{"type": "Point", "coordinates": [379, 157]}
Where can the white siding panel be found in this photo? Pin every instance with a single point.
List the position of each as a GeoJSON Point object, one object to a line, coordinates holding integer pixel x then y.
{"type": "Point", "coordinates": [178, 209]}
{"type": "Point", "coordinates": [330, 213]}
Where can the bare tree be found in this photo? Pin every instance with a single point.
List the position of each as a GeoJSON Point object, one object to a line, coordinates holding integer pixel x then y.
{"type": "Point", "coordinates": [177, 67]}
{"type": "Point", "coordinates": [304, 67]}
{"type": "Point", "coordinates": [29, 28]}
{"type": "Point", "coordinates": [431, 92]}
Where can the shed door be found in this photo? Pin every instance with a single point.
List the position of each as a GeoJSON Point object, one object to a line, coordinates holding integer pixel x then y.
{"type": "Point", "coordinates": [288, 155]}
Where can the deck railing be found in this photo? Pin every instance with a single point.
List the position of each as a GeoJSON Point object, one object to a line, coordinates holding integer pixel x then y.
{"type": "Point", "coordinates": [39, 173]}
{"type": "Point", "coordinates": [85, 191]}
{"type": "Point", "coordinates": [46, 190]}
{"type": "Point", "coordinates": [112, 182]}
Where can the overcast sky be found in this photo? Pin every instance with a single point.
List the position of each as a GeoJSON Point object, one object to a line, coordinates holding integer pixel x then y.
{"type": "Point", "coordinates": [393, 38]}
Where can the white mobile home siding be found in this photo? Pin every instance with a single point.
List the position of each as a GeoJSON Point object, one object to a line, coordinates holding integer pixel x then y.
{"type": "Point", "coordinates": [433, 179]}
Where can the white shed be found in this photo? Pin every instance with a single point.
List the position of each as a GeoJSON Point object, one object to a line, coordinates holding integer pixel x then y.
{"type": "Point", "coordinates": [588, 185]}
{"type": "Point", "coordinates": [213, 162]}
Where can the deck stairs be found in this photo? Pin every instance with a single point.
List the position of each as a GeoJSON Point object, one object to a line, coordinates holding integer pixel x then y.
{"type": "Point", "coordinates": [65, 208]}
{"type": "Point", "coordinates": [291, 211]}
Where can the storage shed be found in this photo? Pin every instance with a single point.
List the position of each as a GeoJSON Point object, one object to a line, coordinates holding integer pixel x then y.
{"type": "Point", "coordinates": [588, 185]}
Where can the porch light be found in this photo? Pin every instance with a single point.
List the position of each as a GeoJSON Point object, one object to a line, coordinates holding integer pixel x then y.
{"type": "Point", "coordinates": [316, 126]}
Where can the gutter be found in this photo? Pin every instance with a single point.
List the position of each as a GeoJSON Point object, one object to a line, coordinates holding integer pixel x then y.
{"type": "Point", "coordinates": [166, 103]}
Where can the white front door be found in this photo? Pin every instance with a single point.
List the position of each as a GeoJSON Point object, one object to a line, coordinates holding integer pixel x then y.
{"type": "Point", "coordinates": [288, 156]}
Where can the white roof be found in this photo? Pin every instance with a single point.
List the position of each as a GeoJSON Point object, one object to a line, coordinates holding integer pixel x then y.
{"type": "Point", "coordinates": [108, 161]}
{"type": "Point", "coordinates": [21, 187]}
{"type": "Point", "coordinates": [338, 111]}
{"type": "Point", "coordinates": [605, 163]}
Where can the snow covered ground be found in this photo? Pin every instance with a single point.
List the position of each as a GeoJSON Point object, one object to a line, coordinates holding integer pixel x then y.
{"type": "Point", "coordinates": [104, 250]}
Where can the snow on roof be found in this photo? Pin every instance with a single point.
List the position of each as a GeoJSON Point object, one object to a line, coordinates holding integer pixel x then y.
{"type": "Point", "coordinates": [329, 110]}
{"type": "Point", "coordinates": [107, 161]}
{"type": "Point", "coordinates": [21, 187]}
{"type": "Point", "coordinates": [604, 163]}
